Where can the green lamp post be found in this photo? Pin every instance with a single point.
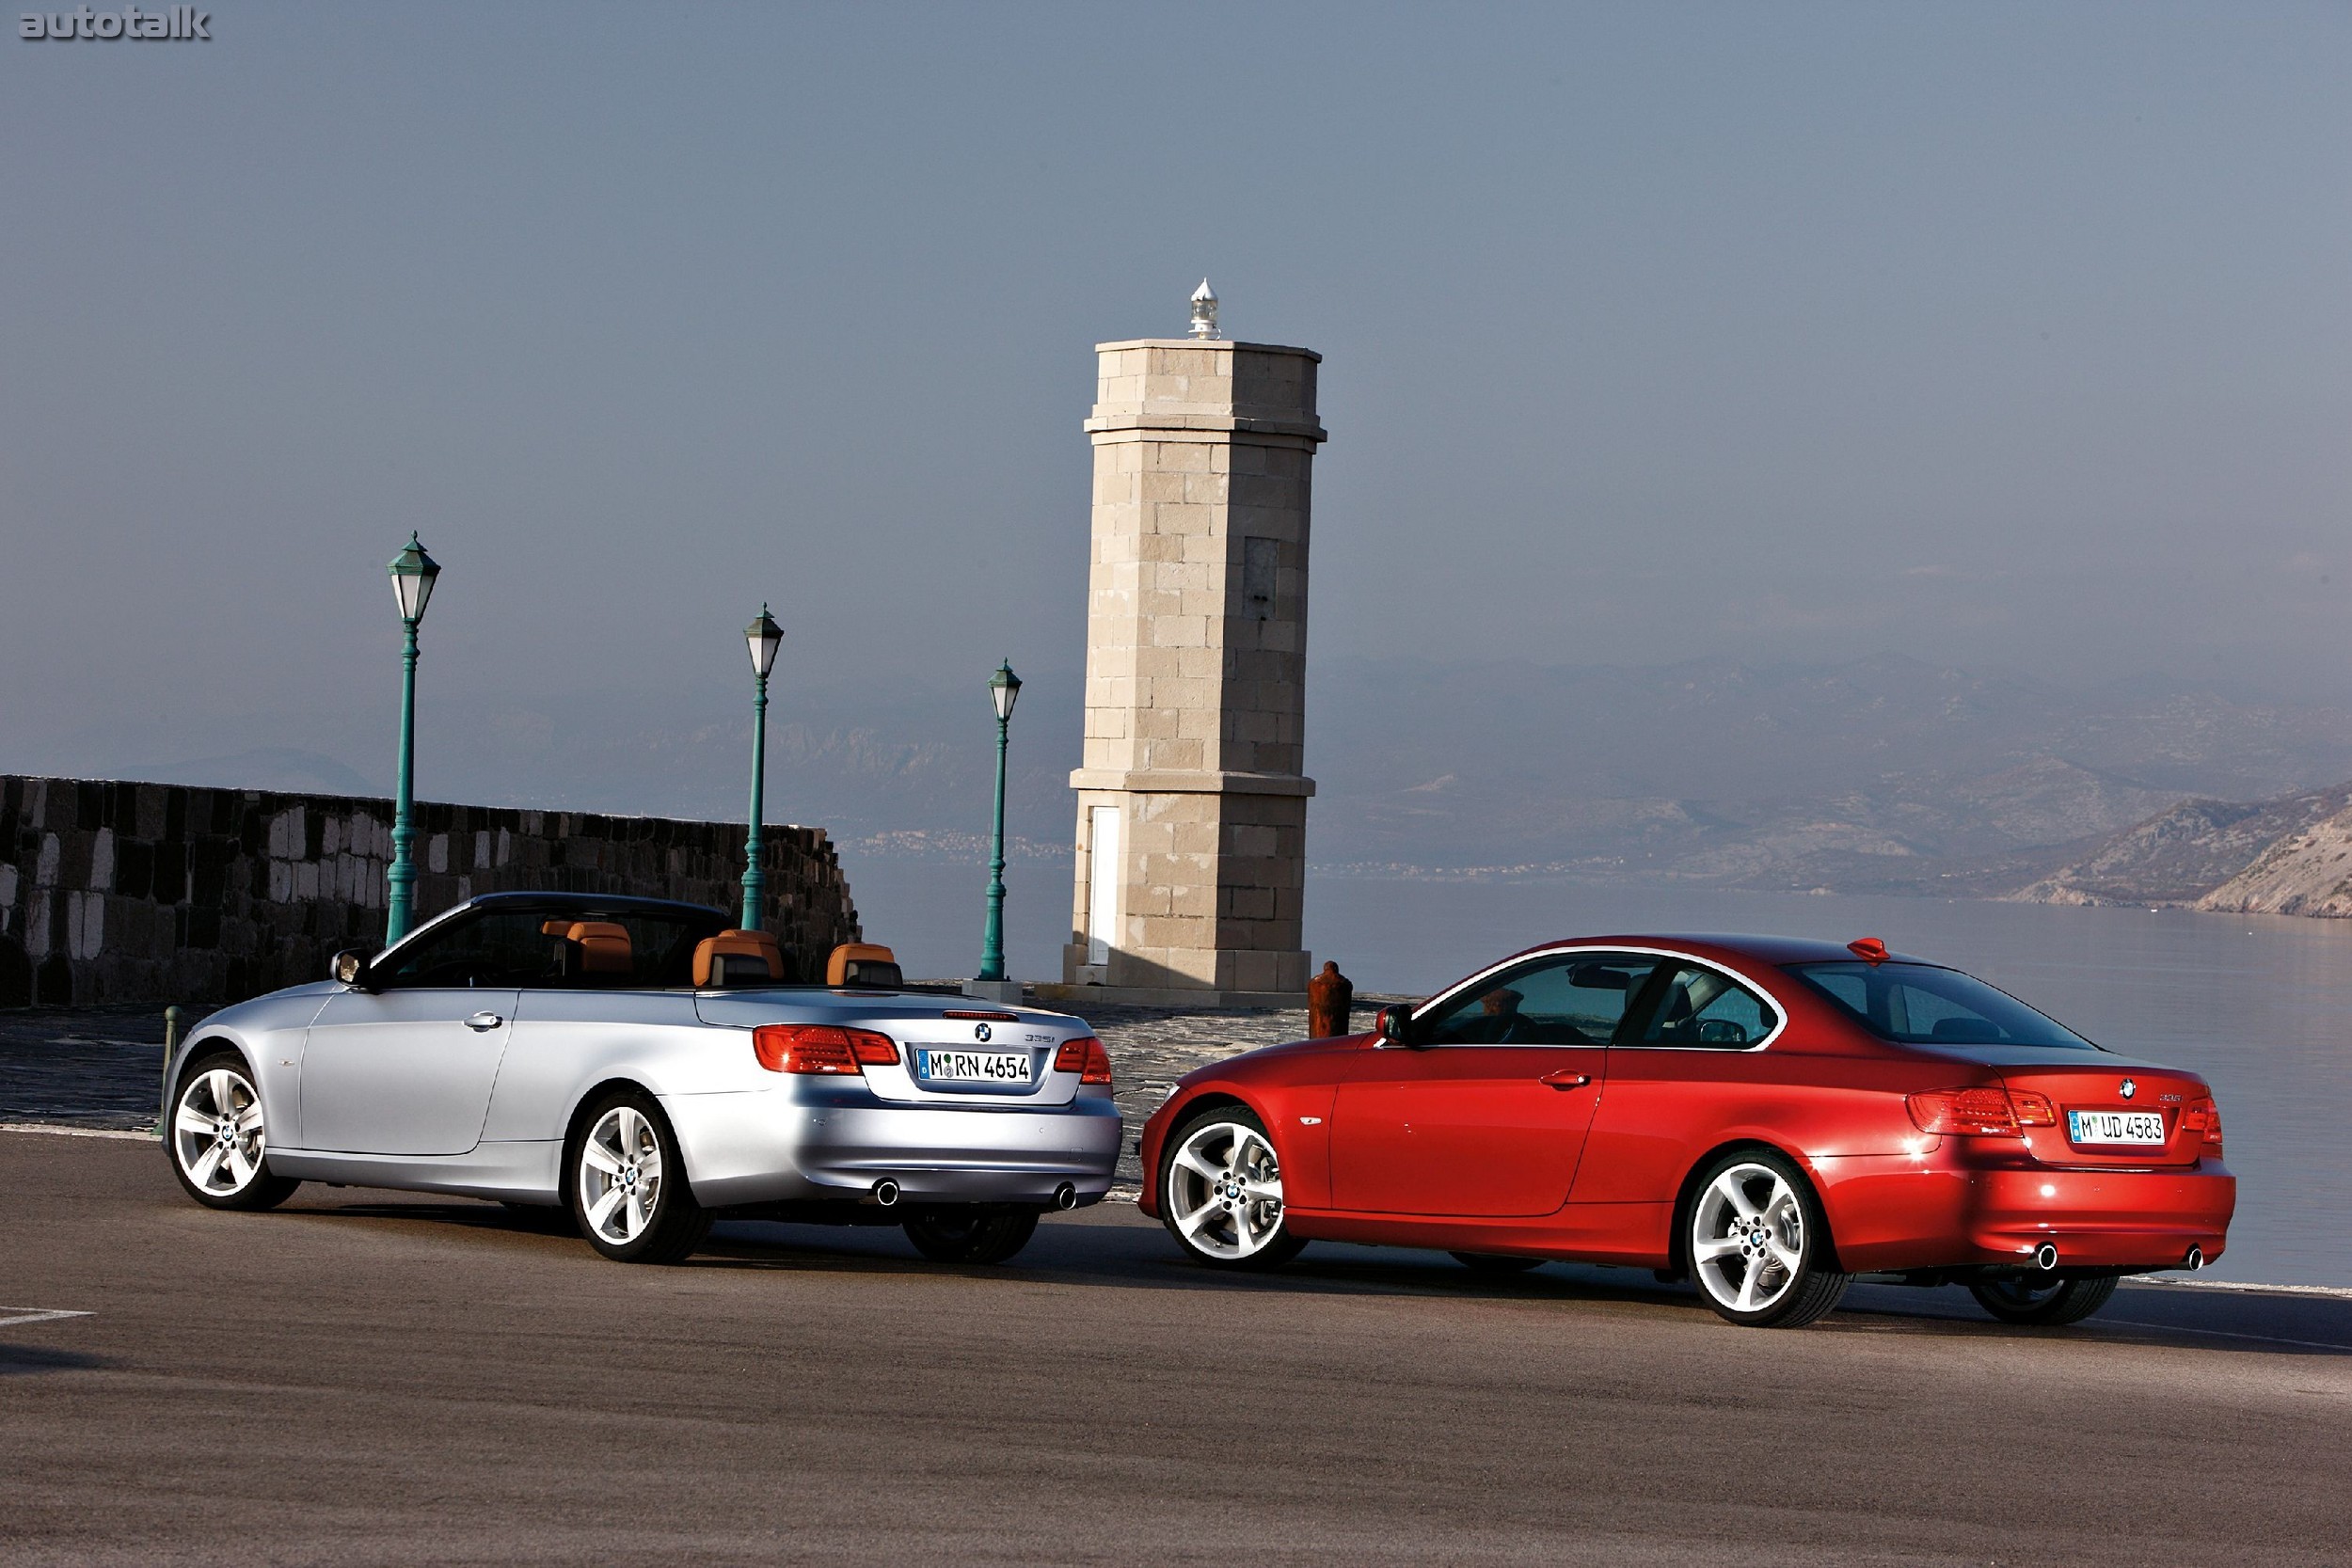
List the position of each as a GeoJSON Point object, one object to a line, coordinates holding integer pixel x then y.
{"type": "Point", "coordinates": [764, 637]}
{"type": "Point", "coordinates": [1004, 689]}
{"type": "Point", "coordinates": [413, 576]}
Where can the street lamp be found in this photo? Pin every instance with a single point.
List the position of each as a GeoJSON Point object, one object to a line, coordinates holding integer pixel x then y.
{"type": "Point", "coordinates": [764, 637]}
{"type": "Point", "coordinates": [413, 576]}
{"type": "Point", "coordinates": [1004, 689]}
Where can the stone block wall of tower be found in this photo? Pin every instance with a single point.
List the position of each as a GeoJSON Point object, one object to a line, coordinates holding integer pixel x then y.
{"type": "Point", "coordinates": [1195, 698]}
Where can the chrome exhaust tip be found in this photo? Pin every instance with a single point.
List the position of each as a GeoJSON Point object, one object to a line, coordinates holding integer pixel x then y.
{"type": "Point", "coordinates": [886, 1192]}
{"type": "Point", "coordinates": [2046, 1257]}
{"type": "Point", "coordinates": [2195, 1261]}
{"type": "Point", "coordinates": [1065, 1197]}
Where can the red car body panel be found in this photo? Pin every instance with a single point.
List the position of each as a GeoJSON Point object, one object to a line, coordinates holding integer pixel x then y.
{"type": "Point", "coordinates": [1585, 1151]}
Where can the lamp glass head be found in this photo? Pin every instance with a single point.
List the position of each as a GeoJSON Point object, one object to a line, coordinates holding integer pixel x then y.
{"type": "Point", "coordinates": [1004, 689]}
{"type": "Point", "coordinates": [764, 637]}
{"type": "Point", "coordinates": [413, 574]}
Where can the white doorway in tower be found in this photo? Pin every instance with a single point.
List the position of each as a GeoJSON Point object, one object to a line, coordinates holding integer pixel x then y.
{"type": "Point", "coordinates": [1103, 881]}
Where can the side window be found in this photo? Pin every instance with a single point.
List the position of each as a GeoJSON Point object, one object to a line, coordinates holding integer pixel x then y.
{"type": "Point", "coordinates": [505, 947]}
{"type": "Point", "coordinates": [1570, 999]}
{"type": "Point", "coordinates": [661, 947]}
{"type": "Point", "coordinates": [1704, 1006]}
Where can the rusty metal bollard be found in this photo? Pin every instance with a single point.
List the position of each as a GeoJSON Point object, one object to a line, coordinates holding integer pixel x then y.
{"type": "Point", "coordinates": [171, 1040]}
{"type": "Point", "coordinates": [1329, 995]}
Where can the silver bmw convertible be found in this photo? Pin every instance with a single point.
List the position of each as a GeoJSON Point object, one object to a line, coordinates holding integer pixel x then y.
{"type": "Point", "coordinates": [645, 1066]}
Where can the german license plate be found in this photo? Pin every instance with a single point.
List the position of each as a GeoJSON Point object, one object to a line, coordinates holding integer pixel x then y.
{"type": "Point", "coordinates": [971, 1067]}
{"type": "Point", "coordinates": [2115, 1127]}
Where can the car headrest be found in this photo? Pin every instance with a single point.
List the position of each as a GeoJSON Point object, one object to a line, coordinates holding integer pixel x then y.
{"type": "Point", "coordinates": [603, 944]}
{"type": "Point", "coordinates": [863, 963]}
{"type": "Point", "coordinates": [736, 958]}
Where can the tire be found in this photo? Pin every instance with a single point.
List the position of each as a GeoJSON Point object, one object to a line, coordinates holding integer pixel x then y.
{"type": "Point", "coordinates": [2043, 1304]}
{"type": "Point", "coordinates": [216, 1140]}
{"type": "Point", "coordinates": [625, 1182]}
{"type": "Point", "coordinates": [970, 1232]}
{"type": "Point", "coordinates": [1754, 1241]}
{"type": "Point", "coordinates": [1221, 1192]}
{"type": "Point", "coordinates": [1495, 1263]}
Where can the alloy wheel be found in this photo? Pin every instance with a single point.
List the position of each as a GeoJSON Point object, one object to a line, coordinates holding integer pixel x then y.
{"type": "Point", "coordinates": [216, 1132]}
{"type": "Point", "coordinates": [620, 1175]}
{"type": "Point", "coordinates": [1225, 1191]}
{"type": "Point", "coordinates": [1747, 1238]}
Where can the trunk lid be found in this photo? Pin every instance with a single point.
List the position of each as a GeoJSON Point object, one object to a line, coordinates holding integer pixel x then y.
{"type": "Point", "coordinates": [2103, 1106]}
{"type": "Point", "coordinates": [971, 1055]}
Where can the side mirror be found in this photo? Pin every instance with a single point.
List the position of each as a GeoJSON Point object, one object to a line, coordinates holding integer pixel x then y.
{"type": "Point", "coordinates": [350, 968]}
{"type": "Point", "coordinates": [1396, 1025]}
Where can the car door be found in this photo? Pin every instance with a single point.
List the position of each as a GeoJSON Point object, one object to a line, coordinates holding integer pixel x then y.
{"type": "Point", "coordinates": [1689, 1065]}
{"type": "Point", "coordinates": [406, 1067]}
{"type": "Point", "coordinates": [1485, 1113]}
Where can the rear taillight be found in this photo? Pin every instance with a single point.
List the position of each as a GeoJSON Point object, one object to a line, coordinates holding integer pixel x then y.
{"type": "Point", "coordinates": [1086, 1058]}
{"type": "Point", "coordinates": [2033, 1110]}
{"type": "Point", "coordinates": [2205, 1119]}
{"type": "Point", "coordinates": [1980, 1112]}
{"type": "Point", "coordinates": [820, 1048]}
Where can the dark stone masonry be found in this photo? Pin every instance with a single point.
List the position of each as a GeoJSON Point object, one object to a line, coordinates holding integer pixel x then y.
{"type": "Point", "coordinates": [119, 892]}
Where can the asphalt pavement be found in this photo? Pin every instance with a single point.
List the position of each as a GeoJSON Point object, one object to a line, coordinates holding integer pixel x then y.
{"type": "Point", "coordinates": [370, 1377]}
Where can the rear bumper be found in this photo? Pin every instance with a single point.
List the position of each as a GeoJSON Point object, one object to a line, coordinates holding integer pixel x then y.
{"type": "Point", "coordinates": [1887, 1213]}
{"type": "Point", "coordinates": [771, 1146]}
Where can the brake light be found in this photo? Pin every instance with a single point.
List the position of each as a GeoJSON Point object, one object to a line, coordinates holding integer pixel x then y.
{"type": "Point", "coordinates": [2204, 1118]}
{"type": "Point", "coordinates": [2033, 1110]}
{"type": "Point", "coordinates": [1086, 1058]}
{"type": "Point", "coordinates": [820, 1049]}
{"type": "Point", "coordinates": [1971, 1113]}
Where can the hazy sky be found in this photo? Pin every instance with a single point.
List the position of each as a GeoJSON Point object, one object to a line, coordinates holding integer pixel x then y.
{"type": "Point", "coordinates": [2003, 336]}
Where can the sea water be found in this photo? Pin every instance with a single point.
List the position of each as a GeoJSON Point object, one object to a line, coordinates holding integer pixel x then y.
{"type": "Point", "coordinates": [2261, 1006]}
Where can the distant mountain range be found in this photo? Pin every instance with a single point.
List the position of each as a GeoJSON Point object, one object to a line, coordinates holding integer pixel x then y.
{"type": "Point", "coordinates": [2288, 856]}
{"type": "Point", "coordinates": [1884, 775]}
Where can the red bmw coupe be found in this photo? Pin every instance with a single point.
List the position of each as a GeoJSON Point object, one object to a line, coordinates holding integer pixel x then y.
{"type": "Point", "coordinates": [1768, 1116]}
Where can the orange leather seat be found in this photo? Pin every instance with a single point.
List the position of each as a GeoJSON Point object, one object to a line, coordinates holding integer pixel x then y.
{"type": "Point", "coordinates": [863, 963]}
{"type": "Point", "coordinates": [738, 957]}
{"type": "Point", "coordinates": [596, 946]}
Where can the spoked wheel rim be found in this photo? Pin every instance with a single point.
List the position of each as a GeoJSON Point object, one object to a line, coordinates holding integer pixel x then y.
{"type": "Point", "coordinates": [620, 1175]}
{"type": "Point", "coordinates": [216, 1132]}
{"type": "Point", "coordinates": [1225, 1190]}
{"type": "Point", "coordinates": [1747, 1238]}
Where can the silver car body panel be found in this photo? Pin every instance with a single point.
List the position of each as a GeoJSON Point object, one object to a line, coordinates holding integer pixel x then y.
{"type": "Point", "coordinates": [396, 1089]}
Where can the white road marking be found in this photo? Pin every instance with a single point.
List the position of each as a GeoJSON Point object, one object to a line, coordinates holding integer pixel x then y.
{"type": "Point", "coordinates": [37, 1315]}
{"type": "Point", "coordinates": [75, 1131]}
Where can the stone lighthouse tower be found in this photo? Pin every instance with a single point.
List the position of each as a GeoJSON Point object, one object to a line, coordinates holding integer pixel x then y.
{"type": "Point", "coordinates": [1192, 809]}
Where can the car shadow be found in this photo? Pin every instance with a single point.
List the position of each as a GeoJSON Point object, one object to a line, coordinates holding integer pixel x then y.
{"type": "Point", "coordinates": [1096, 1249]}
{"type": "Point", "coordinates": [25, 1360]}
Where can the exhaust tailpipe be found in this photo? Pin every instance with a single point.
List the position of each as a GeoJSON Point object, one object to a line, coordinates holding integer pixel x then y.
{"type": "Point", "coordinates": [1065, 1197]}
{"type": "Point", "coordinates": [2195, 1261]}
{"type": "Point", "coordinates": [2045, 1257]}
{"type": "Point", "coordinates": [886, 1192]}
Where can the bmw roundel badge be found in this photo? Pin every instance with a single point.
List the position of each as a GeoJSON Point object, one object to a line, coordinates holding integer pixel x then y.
{"type": "Point", "coordinates": [981, 1032]}
{"type": "Point", "coordinates": [2130, 1088]}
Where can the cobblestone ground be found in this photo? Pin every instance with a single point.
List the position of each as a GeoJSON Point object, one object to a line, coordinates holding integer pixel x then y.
{"type": "Point", "coordinates": [101, 1067]}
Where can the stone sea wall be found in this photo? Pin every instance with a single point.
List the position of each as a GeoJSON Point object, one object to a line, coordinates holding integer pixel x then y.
{"type": "Point", "coordinates": [113, 891]}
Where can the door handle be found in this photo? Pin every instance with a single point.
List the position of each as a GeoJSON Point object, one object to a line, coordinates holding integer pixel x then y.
{"type": "Point", "coordinates": [1566, 1079]}
{"type": "Point", "coordinates": [484, 1021]}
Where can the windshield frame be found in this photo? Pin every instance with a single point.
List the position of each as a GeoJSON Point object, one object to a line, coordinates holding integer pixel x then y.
{"type": "Point", "coordinates": [2066, 1038]}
